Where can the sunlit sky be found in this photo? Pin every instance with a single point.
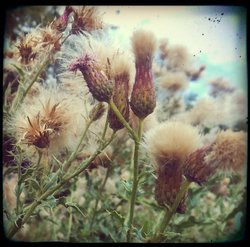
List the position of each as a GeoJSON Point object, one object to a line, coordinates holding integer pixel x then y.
{"type": "Point", "coordinates": [216, 35]}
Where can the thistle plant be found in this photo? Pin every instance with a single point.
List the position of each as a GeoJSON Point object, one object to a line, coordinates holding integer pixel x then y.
{"type": "Point", "coordinates": [92, 154]}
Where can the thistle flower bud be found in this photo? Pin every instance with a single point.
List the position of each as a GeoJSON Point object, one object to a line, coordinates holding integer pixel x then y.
{"type": "Point", "coordinates": [195, 168]}
{"type": "Point", "coordinates": [97, 112]}
{"type": "Point", "coordinates": [97, 81]}
{"type": "Point", "coordinates": [120, 97]}
{"type": "Point", "coordinates": [168, 184]}
{"type": "Point", "coordinates": [143, 100]}
{"type": "Point", "coordinates": [61, 23]}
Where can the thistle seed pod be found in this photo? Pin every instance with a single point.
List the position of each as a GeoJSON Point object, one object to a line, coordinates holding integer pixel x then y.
{"type": "Point", "coordinates": [143, 100]}
{"type": "Point", "coordinates": [120, 98]}
{"type": "Point", "coordinates": [195, 168]}
{"type": "Point", "coordinates": [168, 184]}
{"type": "Point", "coordinates": [97, 81]}
{"type": "Point", "coordinates": [229, 151]}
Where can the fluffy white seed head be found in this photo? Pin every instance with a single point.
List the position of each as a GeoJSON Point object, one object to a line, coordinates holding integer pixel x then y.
{"type": "Point", "coordinates": [172, 140]}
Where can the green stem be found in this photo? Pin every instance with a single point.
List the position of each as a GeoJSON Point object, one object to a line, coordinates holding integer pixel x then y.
{"type": "Point", "coordinates": [122, 120]}
{"type": "Point", "coordinates": [36, 174]}
{"type": "Point", "coordinates": [169, 213]}
{"type": "Point", "coordinates": [105, 128]}
{"type": "Point", "coordinates": [135, 180]}
{"type": "Point", "coordinates": [30, 209]}
{"type": "Point", "coordinates": [73, 155]}
{"type": "Point", "coordinates": [18, 202]}
{"type": "Point", "coordinates": [39, 168]}
{"type": "Point", "coordinates": [70, 220]}
{"type": "Point", "coordinates": [99, 196]}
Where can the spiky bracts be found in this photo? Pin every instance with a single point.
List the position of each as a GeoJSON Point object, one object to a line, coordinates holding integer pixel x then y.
{"type": "Point", "coordinates": [143, 100]}
{"type": "Point", "coordinates": [120, 72]}
{"type": "Point", "coordinates": [41, 129]}
{"type": "Point", "coordinates": [97, 81]}
{"type": "Point", "coordinates": [195, 168]}
{"type": "Point", "coordinates": [168, 183]}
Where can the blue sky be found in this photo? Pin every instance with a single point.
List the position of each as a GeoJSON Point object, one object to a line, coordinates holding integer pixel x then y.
{"type": "Point", "coordinates": [216, 35]}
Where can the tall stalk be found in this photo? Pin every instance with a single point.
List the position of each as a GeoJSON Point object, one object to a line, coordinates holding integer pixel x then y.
{"type": "Point", "coordinates": [169, 213]}
{"type": "Point", "coordinates": [122, 120]}
{"type": "Point", "coordinates": [135, 180]}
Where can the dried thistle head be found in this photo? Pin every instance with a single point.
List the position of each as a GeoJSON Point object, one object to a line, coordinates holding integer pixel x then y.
{"type": "Point", "coordinates": [50, 37]}
{"type": "Point", "coordinates": [170, 143]}
{"type": "Point", "coordinates": [35, 44]}
{"type": "Point", "coordinates": [86, 19]}
{"type": "Point", "coordinates": [143, 100]}
{"type": "Point", "coordinates": [36, 134]}
{"type": "Point", "coordinates": [27, 48]}
{"type": "Point", "coordinates": [172, 140]}
{"type": "Point", "coordinates": [41, 130]}
{"type": "Point", "coordinates": [229, 151]}
{"type": "Point", "coordinates": [173, 81]}
{"type": "Point", "coordinates": [51, 121]}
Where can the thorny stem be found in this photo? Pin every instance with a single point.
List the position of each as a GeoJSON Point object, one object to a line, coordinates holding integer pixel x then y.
{"type": "Point", "coordinates": [122, 120]}
{"type": "Point", "coordinates": [135, 180]}
{"type": "Point", "coordinates": [169, 213]}
{"type": "Point", "coordinates": [73, 155]}
{"type": "Point", "coordinates": [98, 197]}
{"type": "Point", "coordinates": [17, 226]}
